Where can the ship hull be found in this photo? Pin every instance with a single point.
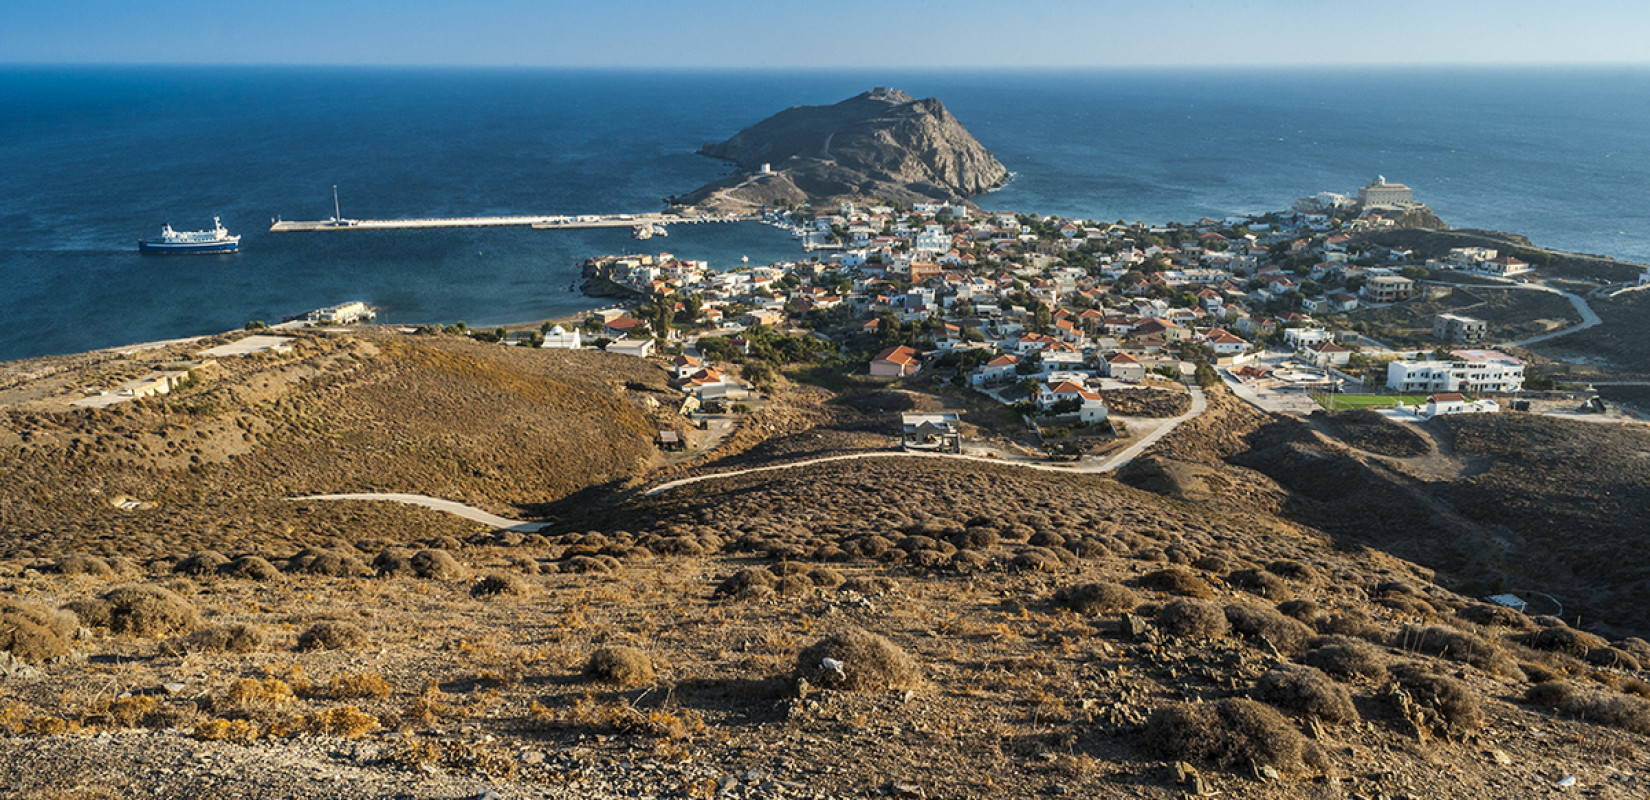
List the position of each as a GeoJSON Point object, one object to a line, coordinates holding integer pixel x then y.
{"type": "Point", "coordinates": [169, 248]}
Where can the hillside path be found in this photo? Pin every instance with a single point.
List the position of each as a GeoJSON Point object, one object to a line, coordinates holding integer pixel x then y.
{"type": "Point", "coordinates": [449, 506]}
{"type": "Point", "coordinates": [1116, 461]}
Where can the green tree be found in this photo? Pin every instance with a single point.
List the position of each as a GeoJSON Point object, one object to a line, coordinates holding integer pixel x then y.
{"type": "Point", "coordinates": [1041, 319]}
{"type": "Point", "coordinates": [691, 306]}
{"type": "Point", "coordinates": [888, 329]}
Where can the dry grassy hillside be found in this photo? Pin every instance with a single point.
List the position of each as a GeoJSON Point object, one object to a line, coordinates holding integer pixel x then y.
{"type": "Point", "coordinates": [1506, 502]}
{"type": "Point", "coordinates": [870, 628]}
{"type": "Point", "coordinates": [865, 628]}
{"type": "Point", "coordinates": [212, 465]}
{"type": "Point", "coordinates": [1611, 351]}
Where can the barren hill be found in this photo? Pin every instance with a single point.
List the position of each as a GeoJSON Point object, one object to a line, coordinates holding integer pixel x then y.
{"type": "Point", "coordinates": [213, 464]}
{"type": "Point", "coordinates": [880, 145]}
{"type": "Point", "coordinates": [1543, 507]}
{"type": "Point", "coordinates": [888, 627]}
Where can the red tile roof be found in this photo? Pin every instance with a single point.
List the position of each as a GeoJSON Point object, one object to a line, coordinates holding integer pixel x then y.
{"type": "Point", "coordinates": [901, 355]}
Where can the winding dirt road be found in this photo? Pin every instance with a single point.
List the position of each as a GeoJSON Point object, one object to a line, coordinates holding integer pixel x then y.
{"type": "Point", "coordinates": [449, 506]}
{"type": "Point", "coordinates": [1116, 461]}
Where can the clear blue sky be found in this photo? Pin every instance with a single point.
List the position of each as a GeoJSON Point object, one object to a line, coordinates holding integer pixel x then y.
{"type": "Point", "coordinates": [839, 33]}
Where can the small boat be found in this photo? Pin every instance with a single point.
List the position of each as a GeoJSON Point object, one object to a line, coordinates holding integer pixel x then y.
{"type": "Point", "coordinates": [216, 240]}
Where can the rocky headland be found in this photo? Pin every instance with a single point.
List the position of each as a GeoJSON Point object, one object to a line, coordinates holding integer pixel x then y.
{"type": "Point", "coordinates": [882, 145]}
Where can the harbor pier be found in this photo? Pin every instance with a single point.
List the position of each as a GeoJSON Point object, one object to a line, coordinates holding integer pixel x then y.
{"type": "Point", "coordinates": [544, 222]}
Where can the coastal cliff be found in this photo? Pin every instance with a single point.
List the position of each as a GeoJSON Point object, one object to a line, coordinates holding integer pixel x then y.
{"type": "Point", "coordinates": [880, 145]}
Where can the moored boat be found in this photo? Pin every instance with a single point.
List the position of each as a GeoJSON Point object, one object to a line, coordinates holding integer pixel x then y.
{"type": "Point", "coordinates": [217, 240]}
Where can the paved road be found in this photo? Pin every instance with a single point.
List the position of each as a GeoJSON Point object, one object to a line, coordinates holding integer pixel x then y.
{"type": "Point", "coordinates": [449, 506]}
{"type": "Point", "coordinates": [1114, 462]}
{"type": "Point", "coordinates": [1117, 461]}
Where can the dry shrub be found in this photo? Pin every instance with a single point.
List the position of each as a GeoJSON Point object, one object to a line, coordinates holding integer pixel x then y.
{"type": "Point", "coordinates": [144, 610]}
{"type": "Point", "coordinates": [1234, 733]}
{"type": "Point", "coordinates": [591, 713]}
{"type": "Point", "coordinates": [1181, 553]}
{"type": "Point", "coordinates": [1613, 658]}
{"type": "Point", "coordinates": [498, 583]}
{"type": "Point", "coordinates": [236, 638]}
{"type": "Point", "coordinates": [859, 662]}
{"type": "Point", "coordinates": [825, 577]}
{"type": "Point", "coordinates": [1088, 548]}
{"type": "Point", "coordinates": [580, 565]}
{"type": "Point", "coordinates": [32, 634]}
{"type": "Point", "coordinates": [359, 685]}
{"type": "Point", "coordinates": [333, 635]}
{"type": "Point", "coordinates": [248, 694]}
{"type": "Point", "coordinates": [123, 712]}
{"type": "Point", "coordinates": [252, 568]}
{"type": "Point", "coordinates": [1150, 554]}
{"type": "Point", "coordinates": [394, 562]}
{"type": "Point", "coordinates": [1550, 694]}
{"type": "Point", "coordinates": [1494, 616]}
{"type": "Point", "coordinates": [1037, 559]}
{"type": "Point", "coordinates": [1307, 611]}
{"type": "Point", "coordinates": [123, 565]}
{"type": "Point", "coordinates": [794, 586]}
{"type": "Point", "coordinates": [1177, 581]}
{"type": "Point", "coordinates": [205, 562]}
{"type": "Point", "coordinates": [1627, 712]}
{"type": "Point", "coordinates": [746, 584]}
{"type": "Point", "coordinates": [1196, 619]}
{"type": "Point", "coordinates": [1288, 635]}
{"type": "Point", "coordinates": [457, 757]}
{"type": "Point", "coordinates": [1096, 598]}
{"type": "Point", "coordinates": [1412, 605]}
{"type": "Point", "coordinates": [1539, 673]}
{"type": "Point", "coordinates": [870, 584]}
{"type": "Point", "coordinates": [1447, 705]}
{"type": "Point", "coordinates": [1260, 582]}
{"type": "Point", "coordinates": [438, 565]}
{"type": "Point", "coordinates": [433, 705]}
{"type": "Point", "coordinates": [328, 563]}
{"type": "Point", "coordinates": [233, 731]}
{"type": "Point", "coordinates": [83, 565]}
{"type": "Point", "coordinates": [1352, 623]}
{"type": "Point", "coordinates": [1455, 645]}
{"type": "Point", "coordinates": [346, 722]}
{"type": "Point", "coordinates": [92, 612]}
{"type": "Point", "coordinates": [1307, 692]}
{"type": "Point", "coordinates": [1216, 564]}
{"type": "Point", "coordinates": [1346, 657]}
{"type": "Point", "coordinates": [975, 539]}
{"type": "Point", "coordinates": [1563, 639]}
{"type": "Point", "coordinates": [621, 666]}
{"type": "Point", "coordinates": [1293, 570]}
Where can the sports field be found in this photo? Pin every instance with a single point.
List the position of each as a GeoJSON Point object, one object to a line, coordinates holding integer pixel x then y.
{"type": "Point", "coordinates": [1345, 402]}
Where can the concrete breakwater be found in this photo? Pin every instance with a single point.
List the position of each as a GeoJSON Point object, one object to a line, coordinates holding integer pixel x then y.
{"type": "Point", "coordinates": [542, 222]}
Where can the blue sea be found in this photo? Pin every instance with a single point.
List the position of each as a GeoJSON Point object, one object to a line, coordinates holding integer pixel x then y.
{"type": "Point", "coordinates": [93, 158]}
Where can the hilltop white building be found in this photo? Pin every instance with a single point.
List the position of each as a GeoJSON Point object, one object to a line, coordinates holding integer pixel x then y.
{"type": "Point", "coordinates": [1381, 193]}
{"type": "Point", "coordinates": [1470, 370]}
{"type": "Point", "coordinates": [560, 338]}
